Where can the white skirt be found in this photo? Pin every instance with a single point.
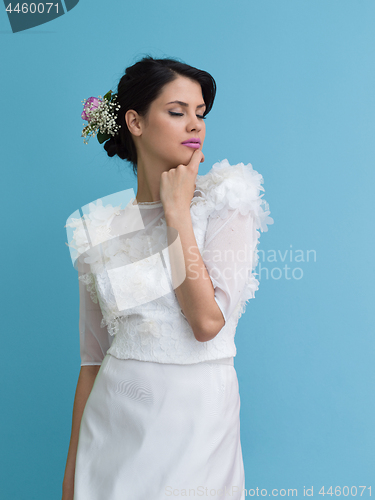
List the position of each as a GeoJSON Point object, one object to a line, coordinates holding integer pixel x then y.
{"type": "Point", "coordinates": [156, 431]}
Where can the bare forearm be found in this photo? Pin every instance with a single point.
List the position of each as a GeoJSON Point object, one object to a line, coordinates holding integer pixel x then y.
{"type": "Point", "coordinates": [196, 293]}
{"type": "Point", "coordinates": [85, 383]}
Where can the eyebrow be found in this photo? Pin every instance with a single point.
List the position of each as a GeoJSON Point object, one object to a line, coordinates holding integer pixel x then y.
{"type": "Point", "coordinates": [185, 104]}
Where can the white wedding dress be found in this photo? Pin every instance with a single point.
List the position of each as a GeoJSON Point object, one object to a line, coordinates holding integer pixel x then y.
{"type": "Point", "coordinates": [162, 419]}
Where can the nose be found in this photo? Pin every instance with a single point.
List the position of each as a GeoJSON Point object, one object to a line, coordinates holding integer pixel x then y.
{"type": "Point", "coordinates": [195, 123]}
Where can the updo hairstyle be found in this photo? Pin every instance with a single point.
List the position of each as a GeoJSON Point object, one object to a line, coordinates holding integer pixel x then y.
{"type": "Point", "coordinates": [141, 84]}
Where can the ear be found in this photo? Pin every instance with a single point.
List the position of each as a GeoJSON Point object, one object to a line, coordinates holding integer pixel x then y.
{"type": "Point", "coordinates": [134, 122]}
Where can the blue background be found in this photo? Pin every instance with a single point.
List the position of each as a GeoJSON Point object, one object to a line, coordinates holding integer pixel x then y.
{"type": "Point", "coordinates": [295, 98]}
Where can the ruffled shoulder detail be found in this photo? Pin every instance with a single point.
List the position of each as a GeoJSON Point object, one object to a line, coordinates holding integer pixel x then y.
{"type": "Point", "coordinates": [92, 228]}
{"type": "Point", "coordinates": [227, 187]}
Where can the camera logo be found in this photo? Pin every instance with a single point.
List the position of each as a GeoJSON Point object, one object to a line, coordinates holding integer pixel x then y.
{"type": "Point", "coordinates": [25, 15]}
{"type": "Point", "coordinates": [130, 254]}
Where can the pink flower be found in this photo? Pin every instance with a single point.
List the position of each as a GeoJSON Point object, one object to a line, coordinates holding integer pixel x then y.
{"type": "Point", "coordinates": [91, 104]}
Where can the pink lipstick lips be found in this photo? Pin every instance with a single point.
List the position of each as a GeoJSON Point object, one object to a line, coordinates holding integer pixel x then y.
{"type": "Point", "coordinates": [194, 142]}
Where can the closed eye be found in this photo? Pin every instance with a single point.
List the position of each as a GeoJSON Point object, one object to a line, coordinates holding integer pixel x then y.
{"type": "Point", "coordinates": [181, 114]}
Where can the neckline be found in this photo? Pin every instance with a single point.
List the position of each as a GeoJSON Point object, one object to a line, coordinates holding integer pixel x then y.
{"type": "Point", "coordinates": [146, 203]}
{"type": "Point", "coordinates": [151, 204]}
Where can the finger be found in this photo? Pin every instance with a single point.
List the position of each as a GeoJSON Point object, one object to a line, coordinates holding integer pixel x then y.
{"type": "Point", "coordinates": [195, 159]}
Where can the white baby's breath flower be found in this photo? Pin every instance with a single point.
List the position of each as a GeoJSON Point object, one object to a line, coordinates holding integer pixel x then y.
{"type": "Point", "coordinates": [100, 113]}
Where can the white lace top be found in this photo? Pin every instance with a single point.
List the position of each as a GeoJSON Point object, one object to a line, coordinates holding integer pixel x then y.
{"type": "Point", "coordinates": [128, 307]}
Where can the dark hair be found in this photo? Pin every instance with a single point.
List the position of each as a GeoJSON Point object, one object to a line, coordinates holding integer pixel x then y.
{"type": "Point", "coordinates": [141, 84]}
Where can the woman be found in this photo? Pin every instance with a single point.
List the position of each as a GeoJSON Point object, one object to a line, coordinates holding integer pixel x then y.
{"type": "Point", "coordinates": [156, 411]}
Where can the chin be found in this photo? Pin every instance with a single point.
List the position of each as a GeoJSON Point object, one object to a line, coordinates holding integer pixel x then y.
{"type": "Point", "coordinates": [180, 159]}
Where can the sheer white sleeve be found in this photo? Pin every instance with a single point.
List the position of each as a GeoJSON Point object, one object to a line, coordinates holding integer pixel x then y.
{"type": "Point", "coordinates": [229, 257]}
{"type": "Point", "coordinates": [94, 340]}
{"type": "Point", "coordinates": [232, 194]}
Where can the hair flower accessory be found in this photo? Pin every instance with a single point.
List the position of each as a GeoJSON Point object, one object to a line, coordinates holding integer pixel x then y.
{"type": "Point", "coordinates": [100, 113]}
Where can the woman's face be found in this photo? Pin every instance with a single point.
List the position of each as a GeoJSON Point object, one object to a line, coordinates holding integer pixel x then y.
{"type": "Point", "coordinates": [168, 124]}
